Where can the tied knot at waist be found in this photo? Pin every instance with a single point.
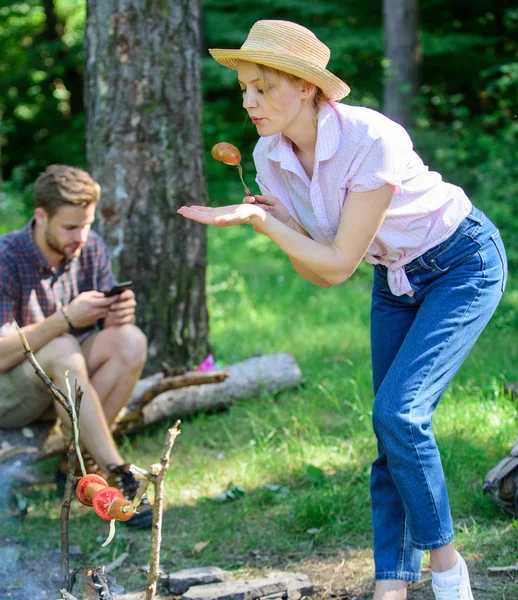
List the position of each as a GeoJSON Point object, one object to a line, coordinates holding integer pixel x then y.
{"type": "Point", "coordinates": [396, 275]}
{"type": "Point", "coordinates": [398, 281]}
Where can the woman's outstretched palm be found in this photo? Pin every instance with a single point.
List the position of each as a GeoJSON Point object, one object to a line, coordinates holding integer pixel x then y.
{"type": "Point", "coordinates": [223, 216]}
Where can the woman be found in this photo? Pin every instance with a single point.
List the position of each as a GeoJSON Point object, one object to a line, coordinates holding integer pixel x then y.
{"type": "Point", "coordinates": [340, 184]}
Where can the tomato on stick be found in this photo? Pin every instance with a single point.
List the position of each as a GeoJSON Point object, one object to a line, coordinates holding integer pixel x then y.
{"type": "Point", "coordinates": [108, 503]}
{"type": "Point", "coordinates": [230, 155]}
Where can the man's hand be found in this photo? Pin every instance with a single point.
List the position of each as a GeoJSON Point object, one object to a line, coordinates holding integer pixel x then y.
{"type": "Point", "coordinates": [87, 308]}
{"type": "Point", "coordinates": [122, 311]}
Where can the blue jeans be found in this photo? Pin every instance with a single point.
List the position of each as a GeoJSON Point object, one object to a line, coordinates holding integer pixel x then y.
{"type": "Point", "coordinates": [418, 344]}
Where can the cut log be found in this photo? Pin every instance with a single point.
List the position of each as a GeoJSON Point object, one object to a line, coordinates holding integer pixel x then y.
{"type": "Point", "coordinates": [251, 378]}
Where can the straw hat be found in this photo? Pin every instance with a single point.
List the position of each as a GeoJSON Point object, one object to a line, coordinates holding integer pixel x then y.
{"type": "Point", "coordinates": [290, 48]}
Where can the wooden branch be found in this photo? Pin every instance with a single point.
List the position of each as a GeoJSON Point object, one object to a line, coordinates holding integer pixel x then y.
{"type": "Point", "coordinates": [70, 484]}
{"type": "Point", "coordinates": [502, 569]}
{"type": "Point", "coordinates": [116, 563]}
{"type": "Point", "coordinates": [159, 472]}
{"type": "Point", "coordinates": [172, 383]}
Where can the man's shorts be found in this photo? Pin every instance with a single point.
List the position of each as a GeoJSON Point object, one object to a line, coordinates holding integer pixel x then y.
{"type": "Point", "coordinates": [23, 397]}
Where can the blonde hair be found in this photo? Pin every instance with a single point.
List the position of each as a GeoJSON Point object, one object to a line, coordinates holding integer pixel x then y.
{"type": "Point", "coordinates": [317, 98]}
{"type": "Point", "coordinates": [61, 185]}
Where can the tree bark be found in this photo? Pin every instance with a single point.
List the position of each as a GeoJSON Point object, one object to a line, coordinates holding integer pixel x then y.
{"type": "Point", "coordinates": [50, 33]}
{"type": "Point", "coordinates": [403, 57]}
{"type": "Point", "coordinates": [270, 374]}
{"type": "Point", "coordinates": [145, 148]}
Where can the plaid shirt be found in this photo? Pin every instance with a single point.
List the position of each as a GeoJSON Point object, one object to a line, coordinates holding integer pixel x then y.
{"type": "Point", "coordinates": [31, 290]}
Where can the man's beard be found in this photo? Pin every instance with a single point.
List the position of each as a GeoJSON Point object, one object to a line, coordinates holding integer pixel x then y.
{"type": "Point", "coordinates": [54, 245]}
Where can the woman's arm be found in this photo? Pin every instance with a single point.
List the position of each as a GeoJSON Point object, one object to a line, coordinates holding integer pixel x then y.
{"type": "Point", "coordinates": [362, 216]}
{"type": "Point", "coordinates": [301, 269]}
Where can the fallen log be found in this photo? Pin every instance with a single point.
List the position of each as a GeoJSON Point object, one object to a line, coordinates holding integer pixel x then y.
{"type": "Point", "coordinates": [143, 394]}
{"type": "Point", "coordinates": [251, 378]}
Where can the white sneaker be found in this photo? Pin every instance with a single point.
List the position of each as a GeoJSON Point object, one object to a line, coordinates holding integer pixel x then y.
{"type": "Point", "coordinates": [459, 590]}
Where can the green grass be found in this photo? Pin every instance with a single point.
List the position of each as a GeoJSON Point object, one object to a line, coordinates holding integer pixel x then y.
{"type": "Point", "coordinates": [314, 442]}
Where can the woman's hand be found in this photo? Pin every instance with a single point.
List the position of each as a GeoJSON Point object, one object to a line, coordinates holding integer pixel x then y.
{"type": "Point", "coordinates": [273, 206]}
{"type": "Point", "coordinates": [223, 216]}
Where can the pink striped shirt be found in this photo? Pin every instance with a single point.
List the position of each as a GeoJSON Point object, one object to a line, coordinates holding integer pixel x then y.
{"type": "Point", "coordinates": [360, 150]}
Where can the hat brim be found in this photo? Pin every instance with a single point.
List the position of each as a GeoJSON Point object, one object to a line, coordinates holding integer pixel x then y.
{"type": "Point", "coordinates": [333, 88]}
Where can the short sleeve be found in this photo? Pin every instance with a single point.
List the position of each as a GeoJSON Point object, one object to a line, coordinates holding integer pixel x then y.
{"type": "Point", "coordinates": [379, 167]}
{"type": "Point", "coordinates": [7, 302]}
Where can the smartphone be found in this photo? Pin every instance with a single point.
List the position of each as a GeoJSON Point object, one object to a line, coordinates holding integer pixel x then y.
{"type": "Point", "coordinates": [119, 288]}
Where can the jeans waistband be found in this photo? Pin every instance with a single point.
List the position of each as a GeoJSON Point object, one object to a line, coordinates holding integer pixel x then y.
{"type": "Point", "coordinates": [474, 216]}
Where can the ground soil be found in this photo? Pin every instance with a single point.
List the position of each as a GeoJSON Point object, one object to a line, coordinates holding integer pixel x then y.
{"type": "Point", "coordinates": [338, 575]}
{"type": "Point", "coordinates": [347, 575]}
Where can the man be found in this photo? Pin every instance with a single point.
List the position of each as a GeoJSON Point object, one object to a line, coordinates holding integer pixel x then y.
{"type": "Point", "coordinates": [52, 277]}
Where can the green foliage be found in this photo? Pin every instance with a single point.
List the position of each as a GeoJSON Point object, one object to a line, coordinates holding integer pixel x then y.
{"type": "Point", "coordinates": [41, 65]}
{"type": "Point", "coordinates": [14, 206]}
{"type": "Point", "coordinates": [479, 152]}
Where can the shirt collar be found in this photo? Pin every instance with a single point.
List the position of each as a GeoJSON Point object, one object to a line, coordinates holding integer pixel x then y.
{"type": "Point", "coordinates": [31, 247]}
{"type": "Point", "coordinates": [281, 151]}
{"type": "Point", "coordinates": [328, 133]}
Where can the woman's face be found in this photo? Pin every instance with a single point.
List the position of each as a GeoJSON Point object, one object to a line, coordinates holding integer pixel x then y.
{"type": "Point", "coordinates": [276, 110]}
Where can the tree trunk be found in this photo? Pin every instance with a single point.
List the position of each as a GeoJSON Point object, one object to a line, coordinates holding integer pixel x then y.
{"type": "Point", "coordinates": [403, 56]}
{"type": "Point", "coordinates": [50, 33]}
{"type": "Point", "coordinates": [145, 148]}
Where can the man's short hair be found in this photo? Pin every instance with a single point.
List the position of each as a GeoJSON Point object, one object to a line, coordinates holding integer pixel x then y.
{"type": "Point", "coordinates": [61, 185]}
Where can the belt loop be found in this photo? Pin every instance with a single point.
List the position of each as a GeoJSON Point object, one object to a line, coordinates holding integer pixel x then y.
{"type": "Point", "coordinates": [476, 215]}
